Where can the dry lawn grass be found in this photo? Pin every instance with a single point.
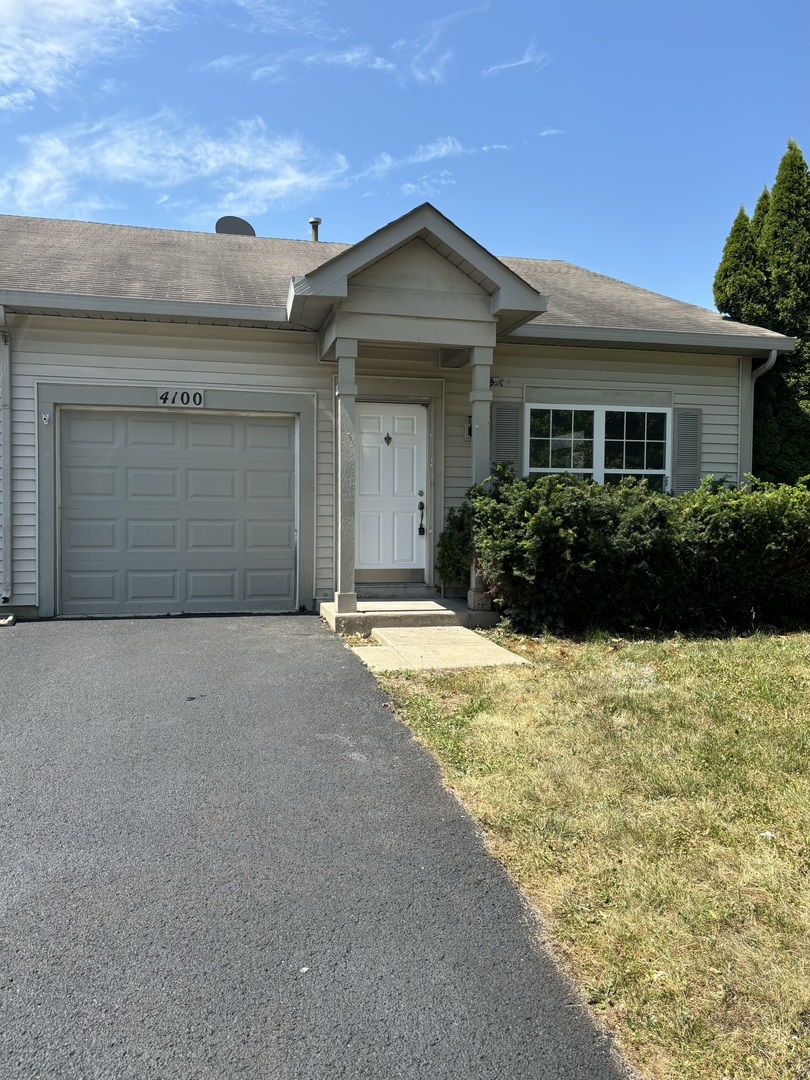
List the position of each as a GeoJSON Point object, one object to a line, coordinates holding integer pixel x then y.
{"type": "Point", "coordinates": [651, 799]}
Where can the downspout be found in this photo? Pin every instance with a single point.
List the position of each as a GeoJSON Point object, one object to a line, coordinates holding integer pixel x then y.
{"type": "Point", "coordinates": [5, 456]}
{"type": "Point", "coordinates": [765, 367]}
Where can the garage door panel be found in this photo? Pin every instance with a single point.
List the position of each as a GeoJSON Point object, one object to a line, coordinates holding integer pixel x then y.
{"type": "Point", "coordinates": [269, 536]}
{"type": "Point", "coordinates": [202, 519]}
{"type": "Point", "coordinates": [211, 535]}
{"type": "Point", "coordinates": [212, 483]}
{"type": "Point", "coordinates": [212, 585]}
{"type": "Point", "coordinates": [89, 429]}
{"type": "Point", "coordinates": [205, 435]}
{"type": "Point", "coordinates": [260, 583]}
{"type": "Point", "coordinates": [151, 483]}
{"type": "Point", "coordinates": [152, 586]}
{"type": "Point", "coordinates": [259, 436]}
{"type": "Point", "coordinates": [152, 434]}
{"type": "Point", "coordinates": [152, 535]}
{"type": "Point", "coordinates": [91, 586]}
{"type": "Point", "coordinates": [91, 481]}
{"type": "Point", "coordinates": [87, 534]}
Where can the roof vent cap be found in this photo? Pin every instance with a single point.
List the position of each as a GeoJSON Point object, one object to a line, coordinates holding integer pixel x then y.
{"type": "Point", "coordinates": [314, 223]}
{"type": "Point", "coordinates": [235, 226]}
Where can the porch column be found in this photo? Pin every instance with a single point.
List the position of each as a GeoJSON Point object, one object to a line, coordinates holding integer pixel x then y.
{"type": "Point", "coordinates": [480, 405]}
{"type": "Point", "coordinates": [345, 474]}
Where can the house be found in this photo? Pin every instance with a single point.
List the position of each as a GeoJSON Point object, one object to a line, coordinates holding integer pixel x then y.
{"type": "Point", "coordinates": [198, 422]}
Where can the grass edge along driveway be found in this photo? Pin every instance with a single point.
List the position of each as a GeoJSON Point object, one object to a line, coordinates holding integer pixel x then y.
{"type": "Point", "coordinates": [651, 799]}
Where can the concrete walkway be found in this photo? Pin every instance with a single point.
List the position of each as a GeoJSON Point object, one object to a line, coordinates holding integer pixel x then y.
{"type": "Point", "coordinates": [411, 648]}
{"type": "Point", "coordinates": [224, 857]}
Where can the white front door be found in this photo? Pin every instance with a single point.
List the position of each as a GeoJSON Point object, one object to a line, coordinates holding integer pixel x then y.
{"type": "Point", "coordinates": [391, 489]}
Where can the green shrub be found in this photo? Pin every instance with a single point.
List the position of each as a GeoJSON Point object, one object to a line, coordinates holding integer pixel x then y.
{"type": "Point", "coordinates": [744, 554]}
{"type": "Point", "coordinates": [564, 553]}
{"type": "Point", "coordinates": [455, 548]}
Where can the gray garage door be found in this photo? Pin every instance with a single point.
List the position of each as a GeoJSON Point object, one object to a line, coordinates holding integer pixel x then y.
{"type": "Point", "coordinates": [176, 512]}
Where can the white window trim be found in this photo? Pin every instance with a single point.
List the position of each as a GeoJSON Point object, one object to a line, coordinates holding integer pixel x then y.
{"type": "Point", "coordinates": [599, 411]}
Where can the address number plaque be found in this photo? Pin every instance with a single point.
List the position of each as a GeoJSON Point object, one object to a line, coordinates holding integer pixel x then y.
{"type": "Point", "coordinates": [186, 399]}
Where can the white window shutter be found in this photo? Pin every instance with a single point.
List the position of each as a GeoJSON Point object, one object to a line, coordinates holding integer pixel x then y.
{"type": "Point", "coordinates": [686, 472]}
{"type": "Point", "coordinates": [506, 435]}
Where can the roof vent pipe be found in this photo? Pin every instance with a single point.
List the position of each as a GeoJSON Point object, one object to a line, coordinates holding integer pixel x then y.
{"type": "Point", "coordinates": [315, 222]}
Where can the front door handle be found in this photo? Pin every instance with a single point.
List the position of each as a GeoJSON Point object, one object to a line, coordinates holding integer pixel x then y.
{"type": "Point", "coordinates": [421, 508]}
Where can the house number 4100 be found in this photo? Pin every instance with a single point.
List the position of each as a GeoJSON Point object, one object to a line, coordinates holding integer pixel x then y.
{"type": "Point", "coordinates": [193, 398]}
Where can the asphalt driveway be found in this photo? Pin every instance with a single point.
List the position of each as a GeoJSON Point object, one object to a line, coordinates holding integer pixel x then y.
{"type": "Point", "coordinates": [222, 856]}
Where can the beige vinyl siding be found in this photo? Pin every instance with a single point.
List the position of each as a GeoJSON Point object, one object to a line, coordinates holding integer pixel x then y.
{"type": "Point", "coordinates": [23, 486]}
{"type": "Point", "coordinates": [707, 382]}
{"type": "Point", "coordinates": [416, 295]}
{"type": "Point", "coordinates": [96, 352]}
{"type": "Point", "coordinates": [458, 449]}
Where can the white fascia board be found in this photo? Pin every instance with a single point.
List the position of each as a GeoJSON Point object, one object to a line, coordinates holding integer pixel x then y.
{"type": "Point", "coordinates": [334, 289]}
{"type": "Point", "coordinates": [732, 343]}
{"type": "Point", "coordinates": [127, 305]}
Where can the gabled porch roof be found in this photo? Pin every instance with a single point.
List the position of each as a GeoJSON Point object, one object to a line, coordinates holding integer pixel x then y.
{"type": "Point", "coordinates": [513, 301]}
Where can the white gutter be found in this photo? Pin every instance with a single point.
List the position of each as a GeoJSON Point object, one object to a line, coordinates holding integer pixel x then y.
{"type": "Point", "coordinates": [755, 374]}
{"type": "Point", "coordinates": [679, 339]}
{"type": "Point", "coordinates": [6, 508]}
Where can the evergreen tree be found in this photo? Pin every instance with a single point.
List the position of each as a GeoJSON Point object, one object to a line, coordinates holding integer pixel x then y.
{"type": "Point", "coordinates": [760, 213]}
{"type": "Point", "coordinates": [740, 284]}
{"type": "Point", "coordinates": [764, 279]}
{"type": "Point", "coordinates": [785, 245]}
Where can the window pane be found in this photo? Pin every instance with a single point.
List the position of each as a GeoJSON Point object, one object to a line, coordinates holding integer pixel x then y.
{"type": "Point", "coordinates": [656, 426]}
{"type": "Point", "coordinates": [562, 422]}
{"type": "Point", "coordinates": [614, 455]}
{"type": "Point", "coordinates": [655, 455]}
{"type": "Point", "coordinates": [541, 423]}
{"type": "Point", "coordinates": [583, 425]}
{"type": "Point", "coordinates": [539, 454]}
{"type": "Point", "coordinates": [614, 425]}
{"type": "Point", "coordinates": [560, 454]}
{"type": "Point", "coordinates": [614, 477]}
{"type": "Point", "coordinates": [583, 455]}
{"type": "Point", "coordinates": [655, 483]}
{"type": "Point", "coordinates": [634, 425]}
{"type": "Point", "coordinates": [634, 455]}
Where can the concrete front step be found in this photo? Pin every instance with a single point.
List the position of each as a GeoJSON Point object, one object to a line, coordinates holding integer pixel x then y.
{"type": "Point", "coordinates": [374, 613]}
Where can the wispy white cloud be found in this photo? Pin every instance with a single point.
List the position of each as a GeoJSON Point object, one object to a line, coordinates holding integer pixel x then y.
{"type": "Point", "coordinates": [109, 88]}
{"type": "Point", "coordinates": [196, 174]}
{"type": "Point", "coordinates": [427, 185]}
{"type": "Point", "coordinates": [275, 68]}
{"type": "Point", "coordinates": [301, 18]}
{"type": "Point", "coordinates": [44, 44]}
{"type": "Point", "coordinates": [385, 163]}
{"type": "Point", "coordinates": [19, 101]}
{"type": "Point", "coordinates": [532, 57]}
{"type": "Point", "coordinates": [246, 170]}
{"type": "Point", "coordinates": [225, 63]}
{"type": "Point", "coordinates": [360, 56]}
{"type": "Point", "coordinates": [551, 131]}
{"type": "Point", "coordinates": [447, 146]}
{"type": "Point", "coordinates": [428, 57]}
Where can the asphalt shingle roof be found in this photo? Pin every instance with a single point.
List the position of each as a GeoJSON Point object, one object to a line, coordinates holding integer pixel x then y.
{"type": "Point", "coordinates": [90, 259]}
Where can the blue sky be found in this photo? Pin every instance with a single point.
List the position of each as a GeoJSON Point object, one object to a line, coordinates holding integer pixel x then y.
{"type": "Point", "coordinates": [622, 137]}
